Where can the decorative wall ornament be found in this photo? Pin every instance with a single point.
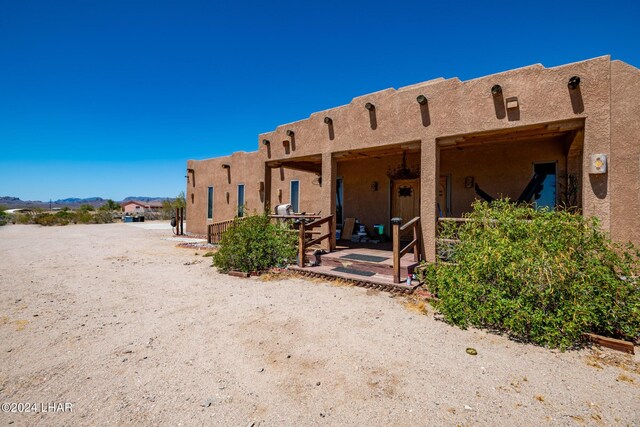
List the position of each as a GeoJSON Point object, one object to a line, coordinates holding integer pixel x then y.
{"type": "Point", "coordinates": [403, 172]}
{"type": "Point", "coordinates": [405, 191]}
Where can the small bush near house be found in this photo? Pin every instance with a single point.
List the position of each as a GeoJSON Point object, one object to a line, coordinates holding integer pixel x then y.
{"type": "Point", "coordinates": [255, 243]}
{"type": "Point", "coordinates": [4, 217]}
{"type": "Point", "coordinates": [541, 276]}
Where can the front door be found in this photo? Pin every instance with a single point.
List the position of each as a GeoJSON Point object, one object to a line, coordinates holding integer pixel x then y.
{"type": "Point", "coordinates": [405, 202]}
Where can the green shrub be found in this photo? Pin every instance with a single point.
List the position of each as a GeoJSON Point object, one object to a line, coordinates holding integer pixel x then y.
{"type": "Point", "coordinates": [21, 218]}
{"type": "Point", "coordinates": [46, 219]}
{"type": "Point", "coordinates": [255, 244]}
{"type": "Point", "coordinates": [83, 217]}
{"type": "Point", "coordinates": [541, 276]}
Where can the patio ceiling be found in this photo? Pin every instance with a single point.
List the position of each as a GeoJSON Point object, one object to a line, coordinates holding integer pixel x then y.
{"type": "Point", "coordinates": [556, 130]}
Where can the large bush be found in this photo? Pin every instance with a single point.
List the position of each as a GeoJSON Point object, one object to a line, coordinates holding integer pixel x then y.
{"type": "Point", "coordinates": [542, 276]}
{"type": "Point", "coordinates": [255, 243]}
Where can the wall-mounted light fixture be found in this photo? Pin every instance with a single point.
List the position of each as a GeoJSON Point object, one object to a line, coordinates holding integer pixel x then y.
{"type": "Point", "coordinates": [266, 142]}
{"type": "Point", "coordinates": [598, 164]}
{"type": "Point", "coordinates": [260, 186]}
{"type": "Point", "coordinates": [226, 166]}
{"type": "Point", "coordinates": [374, 186]}
{"type": "Point", "coordinates": [574, 82]}
{"type": "Point", "coordinates": [328, 120]}
{"type": "Point", "coordinates": [369, 106]}
{"type": "Point", "coordinates": [422, 100]}
{"type": "Point", "coordinates": [290, 132]}
{"type": "Point", "coordinates": [496, 90]}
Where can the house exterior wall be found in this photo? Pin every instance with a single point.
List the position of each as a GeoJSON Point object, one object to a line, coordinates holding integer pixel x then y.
{"type": "Point", "coordinates": [247, 169]}
{"type": "Point", "coordinates": [360, 200]}
{"type": "Point", "coordinates": [457, 108]}
{"type": "Point", "coordinates": [502, 170]}
{"type": "Point", "coordinates": [625, 152]}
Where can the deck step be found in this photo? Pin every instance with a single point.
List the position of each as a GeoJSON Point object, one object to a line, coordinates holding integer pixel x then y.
{"type": "Point", "coordinates": [377, 281]}
{"type": "Point", "coordinates": [375, 267]}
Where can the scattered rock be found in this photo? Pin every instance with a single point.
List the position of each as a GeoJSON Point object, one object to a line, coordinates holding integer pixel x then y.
{"type": "Point", "coordinates": [206, 403]}
{"type": "Point", "coordinates": [318, 383]}
{"type": "Point", "coordinates": [472, 351]}
{"type": "Point", "coordinates": [468, 408]}
{"type": "Point", "coordinates": [261, 370]}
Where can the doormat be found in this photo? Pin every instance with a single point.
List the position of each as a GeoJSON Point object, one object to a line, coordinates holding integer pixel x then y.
{"type": "Point", "coordinates": [352, 271]}
{"type": "Point", "coordinates": [362, 257]}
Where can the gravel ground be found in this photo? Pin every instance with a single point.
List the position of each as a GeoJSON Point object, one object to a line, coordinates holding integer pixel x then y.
{"type": "Point", "coordinates": [132, 330]}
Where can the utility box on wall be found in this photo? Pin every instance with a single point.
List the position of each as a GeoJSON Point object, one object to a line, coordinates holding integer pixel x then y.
{"type": "Point", "coordinates": [598, 164]}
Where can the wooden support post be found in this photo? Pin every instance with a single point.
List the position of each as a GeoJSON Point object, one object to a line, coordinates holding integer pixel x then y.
{"type": "Point", "coordinates": [182, 221]}
{"type": "Point", "coordinates": [301, 245]}
{"type": "Point", "coordinates": [416, 236]}
{"type": "Point", "coordinates": [395, 224]}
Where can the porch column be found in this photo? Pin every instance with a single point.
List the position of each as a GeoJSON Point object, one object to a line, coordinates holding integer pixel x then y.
{"type": "Point", "coordinates": [328, 196]}
{"type": "Point", "coordinates": [266, 202]}
{"type": "Point", "coordinates": [429, 170]}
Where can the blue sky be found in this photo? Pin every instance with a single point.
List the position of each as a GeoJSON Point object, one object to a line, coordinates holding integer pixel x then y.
{"type": "Point", "coordinates": [110, 98]}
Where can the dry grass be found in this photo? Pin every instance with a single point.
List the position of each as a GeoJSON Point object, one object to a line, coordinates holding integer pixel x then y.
{"type": "Point", "coordinates": [625, 378]}
{"type": "Point", "coordinates": [20, 324]}
{"type": "Point", "coordinates": [599, 359]}
{"type": "Point", "coordinates": [416, 304]}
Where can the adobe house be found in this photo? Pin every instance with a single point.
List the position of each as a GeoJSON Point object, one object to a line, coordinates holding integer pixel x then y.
{"type": "Point", "coordinates": [429, 150]}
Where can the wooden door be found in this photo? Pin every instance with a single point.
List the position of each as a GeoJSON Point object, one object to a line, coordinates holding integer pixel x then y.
{"type": "Point", "coordinates": [443, 208]}
{"type": "Point", "coordinates": [405, 202]}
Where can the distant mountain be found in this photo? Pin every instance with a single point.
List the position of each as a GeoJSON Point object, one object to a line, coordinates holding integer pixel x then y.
{"type": "Point", "coordinates": [77, 200]}
{"type": "Point", "coordinates": [71, 202]}
{"type": "Point", "coordinates": [146, 199]}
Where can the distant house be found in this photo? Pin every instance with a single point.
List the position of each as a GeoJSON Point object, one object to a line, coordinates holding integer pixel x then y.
{"type": "Point", "coordinates": [136, 207]}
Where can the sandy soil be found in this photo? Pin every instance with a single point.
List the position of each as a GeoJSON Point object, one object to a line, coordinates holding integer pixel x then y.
{"type": "Point", "coordinates": [134, 331]}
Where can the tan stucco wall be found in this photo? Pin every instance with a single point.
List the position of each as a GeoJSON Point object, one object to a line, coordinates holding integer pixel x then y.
{"type": "Point", "coordinates": [459, 108]}
{"type": "Point", "coordinates": [502, 170]}
{"type": "Point", "coordinates": [247, 169]}
{"type": "Point", "coordinates": [625, 152]}
{"type": "Point", "coordinates": [360, 200]}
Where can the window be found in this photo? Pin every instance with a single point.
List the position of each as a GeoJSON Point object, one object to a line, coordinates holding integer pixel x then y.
{"type": "Point", "coordinates": [210, 203]}
{"type": "Point", "coordinates": [240, 200]}
{"type": "Point", "coordinates": [546, 196]}
{"type": "Point", "coordinates": [295, 196]}
{"type": "Point", "coordinates": [339, 199]}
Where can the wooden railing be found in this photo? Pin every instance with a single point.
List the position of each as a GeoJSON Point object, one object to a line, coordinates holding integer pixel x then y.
{"type": "Point", "coordinates": [306, 239]}
{"type": "Point", "coordinates": [217, 229]}
{"type": "Point", "coordinates": [414, 244]}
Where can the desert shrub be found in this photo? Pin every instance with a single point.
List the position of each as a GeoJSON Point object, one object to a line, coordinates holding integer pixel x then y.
{"type": "Point", "coordinates": [46, 219]}
{"type": "Point", "coordinates": [83, 217]}
{"type": "Point", "coordinates": [255, 243]}
{"type": "Point", "coordinates": [4, 217]}
{"type": "Point", "coordinates": [86, 208]}
{"type": "Point", "coordinates": [541, 276]}
{"type": "Point", "coordinates": [102, 217]}
{"type": "Point", "coordinates": [21, 218]}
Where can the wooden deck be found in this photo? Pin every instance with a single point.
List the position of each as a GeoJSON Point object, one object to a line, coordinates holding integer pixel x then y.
{"type": "Point", "coordinates": [363, 265]}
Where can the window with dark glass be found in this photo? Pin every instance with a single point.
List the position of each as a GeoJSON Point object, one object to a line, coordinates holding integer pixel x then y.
{"type": "Point", "coordinates": [210, 203]}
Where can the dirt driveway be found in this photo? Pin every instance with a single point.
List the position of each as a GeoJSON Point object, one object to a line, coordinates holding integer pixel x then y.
{"type": "Point", "coordinates": [127, 329]}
